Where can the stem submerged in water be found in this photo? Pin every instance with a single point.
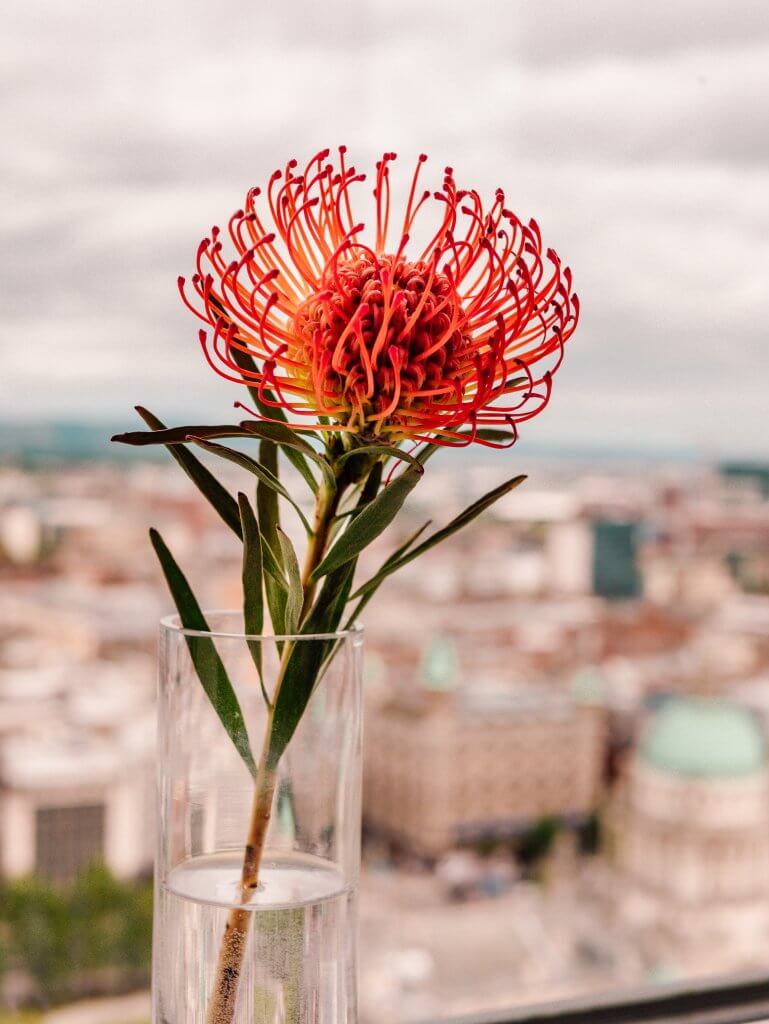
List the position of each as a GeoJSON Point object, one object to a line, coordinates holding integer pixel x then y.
{"type": "Point", "coordinates": [221, 1009]}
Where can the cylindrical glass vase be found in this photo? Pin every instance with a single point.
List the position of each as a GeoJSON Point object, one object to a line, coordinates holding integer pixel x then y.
{"type": "Point", "coordinates": [296, 930]}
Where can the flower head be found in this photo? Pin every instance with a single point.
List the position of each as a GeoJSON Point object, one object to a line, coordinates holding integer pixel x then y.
{"type": "Point", "coordinates": [392, 338]}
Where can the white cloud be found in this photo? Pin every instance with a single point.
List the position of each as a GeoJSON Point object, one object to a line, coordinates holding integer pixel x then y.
{"type": "Point", "coordinates": [635, 137]}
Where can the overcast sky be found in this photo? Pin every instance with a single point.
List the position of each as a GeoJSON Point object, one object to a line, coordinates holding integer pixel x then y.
{"type": "Point", "coordinates": [637, 135]}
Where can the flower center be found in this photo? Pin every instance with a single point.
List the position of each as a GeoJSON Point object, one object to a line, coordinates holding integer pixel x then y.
{"type": "Point", "coordinates": [381, 340]}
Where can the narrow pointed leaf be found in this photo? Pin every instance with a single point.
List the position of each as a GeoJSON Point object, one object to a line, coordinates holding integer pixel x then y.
{"type": "Point", "coordinates": [493, 434]}
{"type": "Point", "coordinates": [427, 452]}
{"type": "Point", "coordinates": [370, 488]}
{"type": "Point", "coordinates": [205, 657]}
{"type": "Point", "coordinates": [409, 542]}
{"type": "Point", "coordinates": [376, 449]}
{"type": "Point", "coordinates": [217, 495]}
{"type": "Point", "coordinates": [275, 590]}
{"type": "Point", "coordinates": [292, 444]}
{"type": "Point", "coordinates": [295, 593]}
{"type": "Point", "coordinates": [366, 489]}
{"type": "Point", "coordinates": [373, 519]}
{"type": "Point", "coordinates": [267, 508]}
{"type": "Point", "coordinates": [483, 433]}
{"type": "Point", "coordinates": [272, 564]}
{"type": "Point", "coordinates": [265, 475]}
{"type": "Point", "coordinates": [282, 434]}
{"type": "Point", "coordinates": [178, 435]}
{"type": "Point", "coordinates": [399, 551]}
{"type": "Point", "coordinates": [276, 593]}
{"type": "Point", "coordinates": [470, 513]}
{"type": "Point", "coordinates": [253, 607]}
{"type": "Point", "coordinates": [330, 604]}
{"type": "Point", "coordinates": [253, 602]}
{"type": "Point", "coordinates": [268, 514]}
{"type": "Point", "coordinates": [300, 677]}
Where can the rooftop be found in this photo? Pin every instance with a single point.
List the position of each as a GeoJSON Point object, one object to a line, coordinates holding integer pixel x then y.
{"type": "Point", "coordinates": [704, 738]}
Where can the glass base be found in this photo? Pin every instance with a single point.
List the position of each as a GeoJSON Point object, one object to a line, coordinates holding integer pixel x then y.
{"type": "Point", "coordinates": [299, 963]}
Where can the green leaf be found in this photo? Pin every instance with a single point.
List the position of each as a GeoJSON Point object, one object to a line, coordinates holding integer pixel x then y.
{"type": "Point", "coordinates": [299, 679]}
{"type": "Point", "coordinates": [208, 665]}
{"type": "Point", "coordinates": [376, 449]}
{"type": "Point", "coordinates": [272, 563]}
{"type": "Point", "coordinates": [484, 433]}
{"type": "Point", "coordinates": [373, 519]}
{"type": "Point", "coordinates": [492, 434]}
{"type": "Point", "coordinates": [282, 434]}
{"type": "Point", "coordinates": [295, 594]}
{"type": "Point", "coordinates": [253, 603]}
{"type": "Point", "coordinates": [267, 509]}
{"type": "Point", "coordinates": [217, 495]}
{"type": "Point", "coordinates": [268, 514]}
{"type": "Point", "coordinates": [334, 595]}
{"type": "Point", "coordinates": [292, 444]}
{"type": "Point", "coordinates": [277, 595]}
{"type": "Point", "coordinates": [253, 607]}
{"type": "Point", "coordinates": [177, 435]}
{"type": "Point", "coordinates": [265, 475]}
{"type": "Point", "coordinates": [470, 513]}
{"type": "Point", "coordinates": [426, 452]}
{"type": "Point", "coordinates": [370, 487]}
{"type": "Point", "coordinates": [399, 551]}
{"type": "Point", "coordinates": [410, 540]}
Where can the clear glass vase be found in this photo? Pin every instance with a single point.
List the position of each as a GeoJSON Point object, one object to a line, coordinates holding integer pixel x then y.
{"type": "Point", "coordinates": [296, 952]}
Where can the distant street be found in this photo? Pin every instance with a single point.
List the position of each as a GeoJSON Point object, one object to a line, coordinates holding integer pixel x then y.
{"type": "Point", "coordinates": [131, 1009]}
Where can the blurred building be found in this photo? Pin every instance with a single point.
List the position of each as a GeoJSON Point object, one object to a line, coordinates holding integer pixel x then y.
{"type": "Point", "coordinates": [615, 560]}
{"type": "Point", "coordinates": [76, 758]}
{"type": "Point", "coordinates": [77, 662]}
{"type": "Point", "coordinates": [755, 474]}
{"type": "Point", "coordinates": [447, 764]}
{"type": "Point", "coordinates": [692, 835]}
{"type": "Point", "coordinates": [72, 804]}
{"type": "Point", "coordinates": [594, 556]}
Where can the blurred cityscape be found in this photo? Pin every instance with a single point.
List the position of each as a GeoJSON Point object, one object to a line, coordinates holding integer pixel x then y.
{"type": "Point", "coordinates": [566, 773]}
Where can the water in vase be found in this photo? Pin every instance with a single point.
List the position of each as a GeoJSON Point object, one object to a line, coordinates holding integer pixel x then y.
{"type": "Point", "coordinates": [299, 966]}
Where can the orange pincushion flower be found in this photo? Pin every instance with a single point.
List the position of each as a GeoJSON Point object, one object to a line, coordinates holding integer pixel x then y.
{"type": "Point", "coordinates": [367, 339]}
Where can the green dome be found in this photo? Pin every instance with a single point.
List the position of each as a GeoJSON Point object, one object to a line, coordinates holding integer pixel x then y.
{"type": "Point", "coordinates": [588, 686]}
{"type": "Point", "coordinates": [440, 664]}
{"type": "Point", "coordinates": [704, 737]}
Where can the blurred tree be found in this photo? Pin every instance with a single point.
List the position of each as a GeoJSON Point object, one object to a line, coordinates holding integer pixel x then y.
{"type": "Point", "coordinates": [486, 845]}
{"type": "Point", "coordinates": [591, 834]}
{"type": "Point", "coordinates": [93, 936]}
{"type": "Point", "coordinates": [35, 935]}
{"type": "Point", "coordinates": [537, 841]}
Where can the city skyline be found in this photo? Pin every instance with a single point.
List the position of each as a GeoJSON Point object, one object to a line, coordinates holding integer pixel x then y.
{"type": "Point", "coordinates": [565, 668]}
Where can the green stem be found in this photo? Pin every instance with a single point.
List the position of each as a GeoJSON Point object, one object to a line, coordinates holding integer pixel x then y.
{"type": "Point", "coordinates": [326, 507]}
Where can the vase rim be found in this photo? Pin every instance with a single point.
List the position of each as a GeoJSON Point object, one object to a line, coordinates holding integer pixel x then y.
{"type": "Point", "coordinates": [172, 623]}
